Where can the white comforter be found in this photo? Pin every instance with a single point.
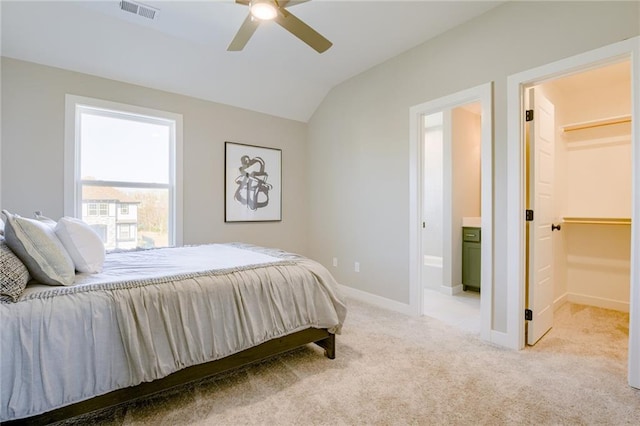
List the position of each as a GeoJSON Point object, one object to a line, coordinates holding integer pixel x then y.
{"type": "Point", "coordinates": [151, 313]}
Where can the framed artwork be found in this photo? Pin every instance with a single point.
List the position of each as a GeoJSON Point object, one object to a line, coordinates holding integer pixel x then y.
{"type": "Point", "coordinates": [253, 183]}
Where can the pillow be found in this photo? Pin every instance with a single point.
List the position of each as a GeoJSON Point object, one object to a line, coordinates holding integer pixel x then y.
{"type": "Point", "coordinates": [39, 249]}
{"type": "Point", "coordinates": [1, 227]}
{"type": "Point", "coordinates": [14, 276]}
{"type": "Point", "coordinates": [49, 222]}
{"type": "Point", "coordinates": [82, 243]}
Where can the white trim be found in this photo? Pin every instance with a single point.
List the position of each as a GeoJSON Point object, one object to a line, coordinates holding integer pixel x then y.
{"type": "Point", "coordinates": [450, 291]}
{"type": "Point", "coordinates": [483, 94]}
{"type": "Point", "coordinates": [373, 299]}
{"type": "Point", "coordinates": [598, 302]}
{"type": "Point", "coordinates": [72, 153]}
{"type": "Point", "coordinates": [434, 261]}
{"type": "Point", "coordinates": [499, 338]}
{"type": "Point", "coordinates": [560, 301]}
{"type": "Point", "coordinates": [627, 49]}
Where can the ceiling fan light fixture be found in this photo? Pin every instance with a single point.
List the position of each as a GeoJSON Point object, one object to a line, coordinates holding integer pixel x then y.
{"type": "Point", "coordinates": [263, 10]}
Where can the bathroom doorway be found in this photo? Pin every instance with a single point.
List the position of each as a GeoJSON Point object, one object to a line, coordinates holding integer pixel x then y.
{"type": "Point", "coordinates": [452, 202]}
{"type": "Point", "coordinates": [451, 149]}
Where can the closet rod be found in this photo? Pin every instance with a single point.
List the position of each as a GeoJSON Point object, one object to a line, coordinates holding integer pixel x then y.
{"type": "Point", "coordinates": [597, 123]}
{"type": "Point", "coordinates": [598, 220]}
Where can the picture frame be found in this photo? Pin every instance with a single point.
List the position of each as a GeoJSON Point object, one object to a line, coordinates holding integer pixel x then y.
{"type": "Point", "coordinates": [253, 183]}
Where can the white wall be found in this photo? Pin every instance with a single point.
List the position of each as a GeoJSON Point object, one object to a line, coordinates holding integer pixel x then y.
{"type": "Point", "coordinates": [33, 103]}
{"type": "Point", "coordinates": [360, 209]}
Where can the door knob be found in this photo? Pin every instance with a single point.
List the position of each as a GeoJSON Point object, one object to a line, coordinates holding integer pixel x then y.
{"type": "Point", "coordinates": [555, 227]}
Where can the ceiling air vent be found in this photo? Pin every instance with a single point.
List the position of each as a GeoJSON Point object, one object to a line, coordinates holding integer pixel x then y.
{"type": "Point", "coordinates": [139, 9]}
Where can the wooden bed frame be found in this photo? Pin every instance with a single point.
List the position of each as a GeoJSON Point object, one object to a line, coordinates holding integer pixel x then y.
{"type": "Point", "coordinates": [320, 337]}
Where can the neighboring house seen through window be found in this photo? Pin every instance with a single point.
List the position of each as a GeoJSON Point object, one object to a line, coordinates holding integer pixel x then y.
{"type": "Point", "coordinates": [125, 176]}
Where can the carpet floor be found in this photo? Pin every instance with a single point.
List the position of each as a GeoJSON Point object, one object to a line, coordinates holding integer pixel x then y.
{"type": "Point", "coordinates": [393, 369]}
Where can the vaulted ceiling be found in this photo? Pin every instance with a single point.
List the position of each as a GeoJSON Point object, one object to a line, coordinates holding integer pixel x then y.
{"type": "Point", "coordinates": [184, 48]}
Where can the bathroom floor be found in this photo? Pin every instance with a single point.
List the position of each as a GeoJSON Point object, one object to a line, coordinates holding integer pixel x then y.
{"type": "Point", "coordinates": [461, 310]}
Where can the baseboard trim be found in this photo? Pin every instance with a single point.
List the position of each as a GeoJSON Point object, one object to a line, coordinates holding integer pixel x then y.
{"type": "Point", "coordinates": [599, 302]}
{"type": "Point", "coordinates": [560, 301]}
{"type": "Point", "coordinates": [450, 291]}
{"type": "Point", "coordinates": [374, 299]}
{"type": "Point", "coordinates": [499, 338]}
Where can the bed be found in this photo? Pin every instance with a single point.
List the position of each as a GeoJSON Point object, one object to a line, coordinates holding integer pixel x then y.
{"type": "Point", "coordinates": [155, 319]}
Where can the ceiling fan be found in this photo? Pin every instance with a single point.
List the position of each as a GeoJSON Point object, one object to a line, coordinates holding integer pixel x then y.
{"type": "Point", "coordinates": [266, 10]}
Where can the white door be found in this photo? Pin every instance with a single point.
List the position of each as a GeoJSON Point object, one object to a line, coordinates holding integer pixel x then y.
{"type": "Point", "coordinates": [541, 165]}
{"type": "Point", "coordinates": [433, 200]}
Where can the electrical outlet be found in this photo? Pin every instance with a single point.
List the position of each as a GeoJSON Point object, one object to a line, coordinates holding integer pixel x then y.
{"type": "Point", "coordinates": [356, 266]}
{"type": "Point", "coordinates": [335, 262]}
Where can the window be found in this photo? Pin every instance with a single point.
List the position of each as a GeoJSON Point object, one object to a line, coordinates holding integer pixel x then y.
{"type": "Point", "coordinates": [126, 232]}
{"type": "Point", "coordinates": [124, 161]}
{"type": "Point", "coordinates": [97, 209]}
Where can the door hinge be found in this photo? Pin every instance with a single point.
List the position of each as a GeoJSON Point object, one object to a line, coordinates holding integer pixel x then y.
{"type": "Point", "coordinates": [528, 315]}
{"type": "Point", "coordinates": [528, 115]}
{"type": "Point", "coordinates": [528, 215]}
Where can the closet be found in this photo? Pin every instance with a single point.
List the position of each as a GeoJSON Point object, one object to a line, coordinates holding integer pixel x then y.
{"type": "Point", "coordinates": [592, 186]}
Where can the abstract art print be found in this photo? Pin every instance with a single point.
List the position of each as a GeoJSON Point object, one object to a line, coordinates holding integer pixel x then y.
{"type": "Point", "coordinates": [253, 183]}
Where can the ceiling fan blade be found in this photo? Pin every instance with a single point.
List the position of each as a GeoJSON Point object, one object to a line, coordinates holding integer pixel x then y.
{"type": "Point", "coordinates": [243, 35]}
{"type": "Point", "coordinates": [245, 2]}
{"type": "Point", "coordinates": [287, 3]}
{"type": "Point", "coordinates": [303, 31]}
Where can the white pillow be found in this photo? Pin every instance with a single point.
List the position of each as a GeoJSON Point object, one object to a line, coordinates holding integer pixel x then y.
{"type": "Point", "coordinates": [39, 249]}
{"type": "Point", "coordinates": [49, 222]}
{"type": "Point", "coordinates": [82, 243]}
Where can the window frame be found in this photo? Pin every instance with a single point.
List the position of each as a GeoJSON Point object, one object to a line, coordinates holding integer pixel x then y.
{"type": "Point", "coordinates": [74, 107]}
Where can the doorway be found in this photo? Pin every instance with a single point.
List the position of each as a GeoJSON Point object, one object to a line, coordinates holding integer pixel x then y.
{"type": "Point", "coordinates": [451, 202]}
{"type": "Point", "coordinates": [516, 277]}
{"type": "Point", "coordinates": [478, 99]}
{"type": "Point", "coordinates": [578, 244]}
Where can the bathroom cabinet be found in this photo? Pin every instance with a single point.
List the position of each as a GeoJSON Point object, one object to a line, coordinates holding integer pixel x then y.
{"type": "Point", "coordinates": [471, 258]}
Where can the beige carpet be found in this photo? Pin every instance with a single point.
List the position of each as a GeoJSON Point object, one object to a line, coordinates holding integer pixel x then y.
{"type": "Point", "coordinates": [392, 369]}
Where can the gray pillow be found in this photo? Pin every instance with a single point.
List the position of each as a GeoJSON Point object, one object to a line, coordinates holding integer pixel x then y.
{"type": "Point", "coordinates": [14, 276]}
{"type": "Point", "coordinates": [39, 249]}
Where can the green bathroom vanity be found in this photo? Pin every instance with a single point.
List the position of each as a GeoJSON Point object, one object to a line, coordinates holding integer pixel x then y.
{"type": "Point", "coordinates": [470, 258]}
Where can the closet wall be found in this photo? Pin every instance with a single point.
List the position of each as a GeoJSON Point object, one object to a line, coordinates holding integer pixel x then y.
{"type": "Point", "coordinates": [593, 187]}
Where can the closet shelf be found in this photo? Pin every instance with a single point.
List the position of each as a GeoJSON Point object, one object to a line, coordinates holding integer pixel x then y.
{"type": "Point", "coordinates": [597, 123]}
{"type": "Point", "coordinates": [598, 220]}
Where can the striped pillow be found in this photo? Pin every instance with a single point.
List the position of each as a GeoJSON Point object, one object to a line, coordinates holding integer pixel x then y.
{"type": "Point", "coordinates": [14, 276]}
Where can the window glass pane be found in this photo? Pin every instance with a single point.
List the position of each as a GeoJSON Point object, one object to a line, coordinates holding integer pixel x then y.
{"type": "Point", "coordinates": [125, 150]}
{"type": "Point", "coordinates": [135, 217]}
